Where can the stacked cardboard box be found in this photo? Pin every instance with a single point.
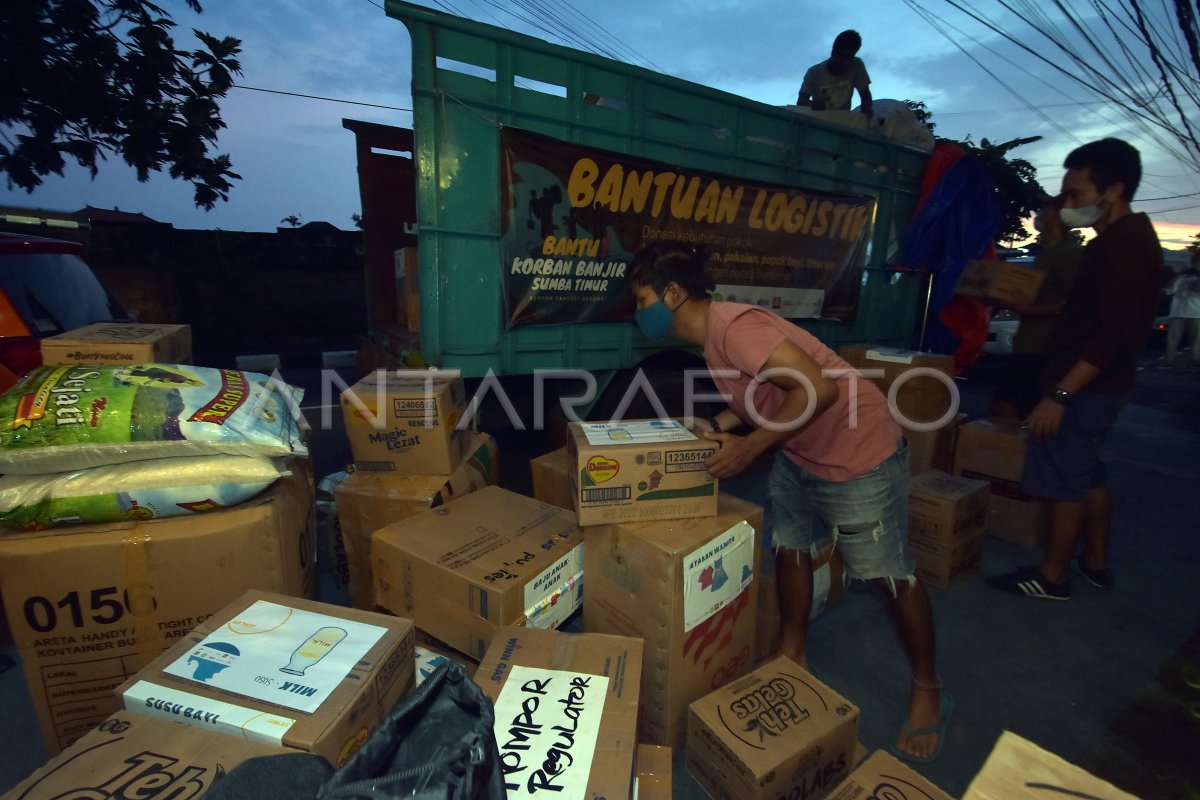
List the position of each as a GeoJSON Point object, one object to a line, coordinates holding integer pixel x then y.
{"type": "Point", "coordinates": [947, 522]}
{"type": "Point", "coordinates": [639, 470]}
{"type": "Point", "coordinates": [993, 450]}
{"type": "Point", "coordinates": [933, 449]}
{"type": "Point", "coordinates": [921, 385]}
{"type": "Point", "coordinates": [120, 344]}
{"type": "Point", "coordinates": [884, 776]}
{"type": "Point", "coordinates": [687, 587]}
{"type": "Point", "coordinates": [654, 772]}
{"type": "Point", "coordinates": [566, 710]}
{"type": "Point", "coordinates": [368, 501]}
{"type": "Point", "coordinates": [490, 559]}
{"type": "Point", "coordinates": [778, 732]}
{"type": "Point", "coordinates": [89, 605]}
{"type": "Point", "coordinates": [406, 421]}
{"type": "Point", "coordinates": [284, 671]}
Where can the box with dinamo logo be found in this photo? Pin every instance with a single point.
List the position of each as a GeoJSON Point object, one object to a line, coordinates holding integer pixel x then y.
{"type": "Point", "coordinates": [778, 732]}
{"type": "Point", "coordinates": [639, 470]}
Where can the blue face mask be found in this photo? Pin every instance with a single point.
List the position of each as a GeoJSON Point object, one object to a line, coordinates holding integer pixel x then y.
{"type": "Point", "coordinates": [655, 320]}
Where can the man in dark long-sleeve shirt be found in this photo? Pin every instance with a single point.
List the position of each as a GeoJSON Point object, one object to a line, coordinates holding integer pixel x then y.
{"type": "Point", "coordinates": [1091, 363]}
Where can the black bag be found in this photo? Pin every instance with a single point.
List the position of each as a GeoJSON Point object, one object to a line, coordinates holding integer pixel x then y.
{"type": "Point", "coordinates": [436, 743]}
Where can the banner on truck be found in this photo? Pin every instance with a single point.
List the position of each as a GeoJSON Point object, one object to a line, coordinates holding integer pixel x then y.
{"type": "Point", "coordinates": [573, 217]}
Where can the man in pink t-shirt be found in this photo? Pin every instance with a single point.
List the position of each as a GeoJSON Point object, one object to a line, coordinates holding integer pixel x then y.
{"type": "Point", "coordinates": [840, 473]}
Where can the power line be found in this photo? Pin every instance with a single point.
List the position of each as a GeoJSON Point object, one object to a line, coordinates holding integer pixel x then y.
{"type": "Point", "coordinates": [319, 97]}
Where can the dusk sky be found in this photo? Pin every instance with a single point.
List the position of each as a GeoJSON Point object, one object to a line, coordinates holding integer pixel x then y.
{"type": "Point", "coordinates": [296, 159]}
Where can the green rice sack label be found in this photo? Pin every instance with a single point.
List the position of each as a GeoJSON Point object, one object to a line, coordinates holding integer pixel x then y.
{"type": "Point", "coordinates": [74, 417]}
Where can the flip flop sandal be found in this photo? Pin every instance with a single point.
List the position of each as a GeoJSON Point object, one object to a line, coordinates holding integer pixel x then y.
{"type": "Point", "coordinates": [939, 729]}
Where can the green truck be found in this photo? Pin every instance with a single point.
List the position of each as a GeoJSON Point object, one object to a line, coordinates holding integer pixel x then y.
{"type": "Point", "coordinates": [497, 228]}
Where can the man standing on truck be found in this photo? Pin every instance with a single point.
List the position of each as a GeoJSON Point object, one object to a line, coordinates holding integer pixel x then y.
{"type": "Point", "coordinates": [829, 85]}
{"type": "Point", "coordinates": [1091, 363]}
{"type": "Point", "coordinates": [840, 473]}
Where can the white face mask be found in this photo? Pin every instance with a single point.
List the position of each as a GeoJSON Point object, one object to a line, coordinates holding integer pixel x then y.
{"type": "Point", "coordinates": [1080, 217]}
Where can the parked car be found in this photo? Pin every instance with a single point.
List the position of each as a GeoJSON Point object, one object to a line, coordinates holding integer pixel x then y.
{"type": "Point", "coordinates": [1001, 331]}
{"type": "Point", "coordinates": [46, 288]}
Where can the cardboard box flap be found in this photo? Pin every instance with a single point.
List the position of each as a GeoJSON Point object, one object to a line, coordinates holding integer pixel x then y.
{"type": "Point", "coordinates": [1018, 769]}
{"type": "Point", "coordinates": [885, 776]}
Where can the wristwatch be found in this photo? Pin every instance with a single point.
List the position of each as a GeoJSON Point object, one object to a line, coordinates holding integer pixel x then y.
{"type": "Point", "coordinates": [1062, 397]}
{"type": "Point", "coordinates": [716, 426]}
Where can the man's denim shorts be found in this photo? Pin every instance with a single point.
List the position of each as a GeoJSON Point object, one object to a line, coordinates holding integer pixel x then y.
{"type": "Point", "coordinates": [867, 517]}
{"type": "Point", "coordinates": [1067, 466]}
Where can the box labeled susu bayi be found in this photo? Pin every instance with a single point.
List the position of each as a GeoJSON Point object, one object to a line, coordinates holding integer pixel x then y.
{"type": "Point", "coordinates": [639, 470]}
{"type": "Point", "coordinates": [282, 670]}
{"type": "Point", "coordinates": [406, 421]}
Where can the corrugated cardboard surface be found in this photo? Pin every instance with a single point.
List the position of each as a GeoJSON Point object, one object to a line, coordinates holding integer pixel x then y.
{"type": "Point", "coordinates": [635, 587]}
{"type": "Point", "coordinates": [944, 567]}
{"type": "Point", "coordinates": [933, 449]}
{"type": "Point", "coordinates": [487, 560]}
{"type": "Point", "coordinates": [885, 776]}
{"type": "Point", "coordinates": [552, 478]}
{"type": "Point", "coordinates": [408, 423]}
{"type": "Point", "coordinates": [993, 450]}
{"type": "Point", "coordinates": [654, 771]}
{"type": "Point", "coordinates": [90, 605]}
{"type": "Point", "coordinates": [345, 719]}
{"type": "Point", "coordinates": [777, 732]}
{"type": "Point", "coordinates": [1018, 769]}
{"type": "Point", "coordinates": [1000, 281]}
{"type": "Point", "coordinates": [524, 748]}
{"type": "Point", "coordinates": [945, 509]}
{"type": "Point", "coordinates": [620, 481]}
{"type": "Point", "coordinates": [120, 343]}
{"type": "Point", "coordinates": [368, 501]}
{"type": "Point", "coordinates": [919, 398]}
{"type": "Point", "coordinates": [131, 755]}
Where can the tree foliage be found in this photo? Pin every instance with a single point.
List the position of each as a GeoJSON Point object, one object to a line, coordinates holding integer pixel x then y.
{"type": "Point", "coordinates": [85, 79]}
{"type": "Point", "coordinates": [1017, 188]}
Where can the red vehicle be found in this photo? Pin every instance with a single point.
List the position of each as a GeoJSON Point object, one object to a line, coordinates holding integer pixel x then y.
{"type": "Point", "coordinates": [46, 288]}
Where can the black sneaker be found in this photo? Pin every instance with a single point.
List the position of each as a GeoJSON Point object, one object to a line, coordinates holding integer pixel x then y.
{"type": "Point", "coordinates": [1030, 582]}
{"type": "Point", "coordinates": [1100, 578]}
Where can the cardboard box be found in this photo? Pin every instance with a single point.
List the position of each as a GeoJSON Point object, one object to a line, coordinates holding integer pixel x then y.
{"type": "Point", "coordinates": [639, 470]}
{"type": "Point", "coordinates": [993, 450]}
{"type": "Point", "coordinates": [933, 449]}
{"type": "Point", "coordinates": [128, 754]}
{"type": "Point", "coordinates": [776, 733]}
{"type": "Point", "coordinates": [883, 775]}
{"type": "Point", "coordinates": [919, 397]}
{"type": "Point", "coordinates": [405, 421]}
{"type": "Point", "coordinates": [1001, 282]}
{"type": "Point", "coordinates": [120, 343]}
{"type": "Point", "coordinates": [654, 772]}
{"type": "Point", "coordinates": [1018, 769]}
{"type": "Point", "coordinates": [552, 478]}
{"type": "Point", "coordinates": [368, 501]}
{"type": "Point", "coordinates": [566, 711]}
{"type": "Point", "coordinates": [946, 509]}
{"type": "Point", "coordinates": [945, 567]}
{"type": "Point", "coordinates": [490, 559]}
{"type": "Point", "coordinates": [687, 587]}
{"type": "Point", "coordinates": [284, 671]}
{"type": "Point", "coordinates": [90, 605]}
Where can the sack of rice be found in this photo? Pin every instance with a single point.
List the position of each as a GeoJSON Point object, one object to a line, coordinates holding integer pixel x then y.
{"type": "Point", "coordinates": [139, 490]}
{"type": "Point", "coordinates": [63, 418]}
